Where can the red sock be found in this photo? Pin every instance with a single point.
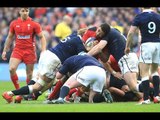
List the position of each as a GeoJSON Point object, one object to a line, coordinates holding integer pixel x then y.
{"type": "Point", "coordinates": [56, 90]}
{"type": "Point", "coordinates": [79, 92]}
{"type": "Point", "coordinates": [14, 79]}
{"type": "Point", "coordinates": [27, 81]}
{"type": "Point", "coordinates": [72, 91]}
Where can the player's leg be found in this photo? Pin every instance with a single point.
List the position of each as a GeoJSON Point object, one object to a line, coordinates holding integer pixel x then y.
{"type": "Point", "coordinates": [69, 84]}
{"type": "Point", "coordinates": [13, 65]}
{"type": "Point", "coordinates": [29, 72]}
{"type": "Point", "coordinates": [156, 82]}
{"type": "Point", "coordinates": [144, 72]}
{"type": "Point", "coordinates": [129, 67]}
{"type": "Point", "coordinates": [57, 88]}
{"type": "Point", "coordinates": [91, 95]}
{"type": "Point", "coordinates": [41, 82]}
{"type": "Point", "coordinates": [131, 80]}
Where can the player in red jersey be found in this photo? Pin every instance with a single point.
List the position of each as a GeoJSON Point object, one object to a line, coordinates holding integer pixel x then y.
{"type": "Point", "coordinates": [24, 29]}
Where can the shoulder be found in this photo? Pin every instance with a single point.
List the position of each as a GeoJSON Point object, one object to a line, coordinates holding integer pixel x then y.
{"type": "Point", "coordinates": [35, 22]}
{"type": "Point", "coordinates": [13, 22]}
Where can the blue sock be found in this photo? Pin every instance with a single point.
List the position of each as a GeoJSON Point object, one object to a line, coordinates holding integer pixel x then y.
{"type": "Point", "coordinates": [64, 92]}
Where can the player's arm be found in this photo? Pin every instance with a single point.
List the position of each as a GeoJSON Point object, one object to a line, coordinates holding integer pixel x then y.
{"type": "Point", "coordinates": [63, 70]}
{"type": "Point", "coordinates": [111, 70]}
{"type": "Point", "coordinates": [116, 91]}
{"type": "Point", "coordinates": [43, 41]}
{"type": "Point", "coordinates": [97, 48]}
{"type": "Point", "coordinates": [7, 45]}
{"type": "Point", "coordinates": [131, 32]}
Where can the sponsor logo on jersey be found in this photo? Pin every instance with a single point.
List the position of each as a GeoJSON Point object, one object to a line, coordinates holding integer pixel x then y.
{"type": "Point", "coordinates": [28, 26]}
{"type": "Point", "coordinates": [23, 36]}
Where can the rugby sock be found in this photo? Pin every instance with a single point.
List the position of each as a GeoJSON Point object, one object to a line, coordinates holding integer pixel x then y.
{"type": "Point", "coordinates": [145, 85]}
{"type": "Point", "coordinates": [79, 92]}
{"type": "Point", "coordinates": [22, 91]}
{"type": "Point", "coordinates": [31, 82]}
{"type": "Point", "coordinates": [14, 79]}
{"type": "Point", "coordinates": [37, 94]}
{"type": "Point", "coordinates": [56, 90]}
{"type": "Point", "coordinates": [140, 87]}
{"type": "Point", "coordinates": [27, 81]}
{"type": "Point", "coordinates": [64, 92]}
{"type": "Point", "coordinates": [156, 85]}
{"type": "Point", "coordinates": [72, 91]}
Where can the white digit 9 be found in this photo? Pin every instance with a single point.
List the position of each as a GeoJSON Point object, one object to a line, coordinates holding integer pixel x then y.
{"type": "Point", "coordinates": [151, 27]}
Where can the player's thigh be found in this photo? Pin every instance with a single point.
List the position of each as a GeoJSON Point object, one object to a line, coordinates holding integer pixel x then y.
{"type": "Point", "coordinates": [48, 64]}
{"type": "Point", "coordinates": [13, 63]}
{"type": "Point", "coordinates": [72, 82]}
{"type": "Point", "coordinates": [144, 69]}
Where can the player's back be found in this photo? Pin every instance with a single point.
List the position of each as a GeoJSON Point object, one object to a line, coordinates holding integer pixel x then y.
{"type": "Point", "coordinates": [116, 43]}
{"type": "Point", "coordinates": [76, 62]}
{"type": "Point", "coordinates": [71, 45]}
{"type": "Point", "coordinates": [149, 25]}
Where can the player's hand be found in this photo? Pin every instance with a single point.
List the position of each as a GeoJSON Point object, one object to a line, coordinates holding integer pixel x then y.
{"type": "Point", "coordinates": [4, 55]}
{"type": "Point", "coordinates": [127, 50]}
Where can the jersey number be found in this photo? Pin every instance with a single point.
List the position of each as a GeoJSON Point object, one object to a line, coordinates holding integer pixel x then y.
{"type": "Point", "coordinates": [65, 39]}
{"type": "Point", "coordinates": [151, 27]}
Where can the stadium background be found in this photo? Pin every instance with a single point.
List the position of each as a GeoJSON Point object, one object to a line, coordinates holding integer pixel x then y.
{"type": "Point", "coordinates": [49, 17]}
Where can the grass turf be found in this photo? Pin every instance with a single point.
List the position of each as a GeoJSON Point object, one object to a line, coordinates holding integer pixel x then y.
{"type": "Point", "coordinates": [38, 106]}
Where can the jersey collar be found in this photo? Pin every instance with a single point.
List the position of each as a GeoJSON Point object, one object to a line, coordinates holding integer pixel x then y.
{"type": "Point", "coordinates": [26, 20]}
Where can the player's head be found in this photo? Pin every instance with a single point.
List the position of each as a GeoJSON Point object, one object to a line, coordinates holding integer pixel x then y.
{"type": "Point", "coordinates": [102, 30]}
{"type": "Point", "coordinates": [24, 12]}
{"type": "Point", "coordinates": [67, 19]}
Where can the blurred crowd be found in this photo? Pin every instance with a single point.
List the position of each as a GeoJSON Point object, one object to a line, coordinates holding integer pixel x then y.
{"type": "Point", "coordinates": [49, 17]}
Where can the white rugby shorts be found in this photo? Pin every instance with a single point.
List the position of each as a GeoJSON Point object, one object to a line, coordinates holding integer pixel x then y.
{"type": "Point", "coordinates": [48, 64]}
{"type": "Point", "coordinates": [129, 63]}
{"type": "Point", "coordinates": [91, 75]}
{"type": "Point", "coordinates": [150, 53]}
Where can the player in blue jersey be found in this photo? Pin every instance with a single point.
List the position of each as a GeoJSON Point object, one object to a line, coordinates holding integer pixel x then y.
{"type": "Point", "coordinates": [148, 22]}
{"type": "Point", "coordinates": [86, 71]}
{"type": "Point", "coordinates": [115, 44]}
{"type": "Point", "coordinates": [49, 63]}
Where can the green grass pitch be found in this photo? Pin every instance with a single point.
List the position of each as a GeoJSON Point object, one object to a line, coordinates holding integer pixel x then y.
{"type": "Point", "coordinates": [38, 106]}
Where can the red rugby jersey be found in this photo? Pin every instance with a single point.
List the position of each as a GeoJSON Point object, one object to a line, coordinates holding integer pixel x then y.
{"type": "Point", "coordinates": [91, 32]}
{"type": "Point", "coordinates": [24, 31]}
{"type": "Point", "coordinates": [114, 64]}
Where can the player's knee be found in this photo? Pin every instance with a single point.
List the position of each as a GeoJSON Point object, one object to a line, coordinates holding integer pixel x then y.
{"type": "Point", "coordinates": [12, 69]}
{"type": "Point", "coordinates": [37, 87]}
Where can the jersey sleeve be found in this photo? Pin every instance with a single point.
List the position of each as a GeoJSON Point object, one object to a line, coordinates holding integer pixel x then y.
{"type": "Point", "coordinates": [38, 28]}
{"type": "Point", "coordinates": [11, 28]}
{"type": "Point", "coordinates": [136, 21]}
